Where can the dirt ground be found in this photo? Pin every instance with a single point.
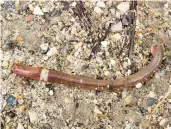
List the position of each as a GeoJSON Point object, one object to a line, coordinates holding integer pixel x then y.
{"type": "Point", "coordinates": [60, 35]}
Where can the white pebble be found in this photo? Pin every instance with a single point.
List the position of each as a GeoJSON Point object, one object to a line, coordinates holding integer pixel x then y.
{"type": "Point", "coordinates": [129, 72]}
{"type": "Point", "coordinates": [52, 51]}
{"type": "Point", "coordinates": [124, 93]}
{"type": "Point", "coordinates": [166, 5]}
{"type": "Point", "coordinates": [128, 100]}
{"type": "Point", "coordinates": [101, 4]}
{"type": "Point", "coordinates": [118, 14]}
{"type": "Point", "coordinates": [67, 100]}
{"type": "Point", "coordinates": [38, 11]}
{"type": "Point", "coordinates": [123, 7]}
{"type": "Point", "coordinates": [113, 11]}
{"type": "Point", "coordinates": [138, 85]}
{"type": "Point", "coordinates": [51, 92]}
{"type": "Point", "coordinates": [117, 27]}
{"type": "Point", "coordinates": [98, 10]}
{"type": "Point", "coordinates": [74, 4]}
{"type": "Point", "coordinates": [106, 73]}
{"type": "Point", "coordinates": [45, 58]}
{"type": "Point", "coordinates": [152, 94]}
{"type": "Point", "coordinates": [45, 10]}
{"type": "Point", "coordinates": [125, 64]}
{"type": "Point", "coordinates": [44, 46]}
{"type": "Point", "coordinates": [97, 111]}
{"type": "Point", "coordinates": [163, 121]}
{"type": "Point", "coordinates": [112, 62]}
{"type": "Point", "coordinates": [117, 37]}
{"type": "Point", "coordinates": [33, 116]}
{"type": "Point", "coordinates": [2, 1]}
{"type": "Point", "coordinates": [30, 6]}
{"type": "Point", "coordinates": [20, 126]}
{"type": "Point", "coordinates": [129, 61]}
{"type": "Point", "coordinates": [70, 58]}
{"type": "Point", "coordinates": [104, 44]}
{"type": "Point", "coordinates": [20, 101]}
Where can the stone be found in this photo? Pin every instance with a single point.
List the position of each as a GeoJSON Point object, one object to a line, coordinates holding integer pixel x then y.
{"type": "Point", "coordinates": [128, 100]}
{"type": "Point", "coordinates": [98, 10]}
{"type": "Point", "coordinates": [117, 27]}
{"type": "Point", "coordinates": [123, 7]}
{"type": "Point", "coordinates": [52, 51]}
{"type": "Point", "coordinates": [104, 44]}
{"type": "Point", "coordinates": [20, 126]}
{"type": "Point", "coordinates": [113, 11]}
{"type": "Point", "coordinates": [37, 11]}
{"type": "Point", "coordinates": [117, 37]}
{"type": "Point", "coordinates": [97, 111]}
{"type": "Point", "coordinates": [51, 92]}
{"type": "Point", "coordinates": [101, 4]}
{"type": "Point", "coordinates": [152, 94]}
{"type": "Point", "coordinates": [33, 116]}
{"type": "Point", "coordinates": [44, 46]}
{"type": "Point", "coordinates": [151, 101]}
{"type": "Point", "coordinates": [138, 85]}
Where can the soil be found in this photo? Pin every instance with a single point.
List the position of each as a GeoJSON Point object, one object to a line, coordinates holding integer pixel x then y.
{"type": "Point", "coordinates": [74, 34]}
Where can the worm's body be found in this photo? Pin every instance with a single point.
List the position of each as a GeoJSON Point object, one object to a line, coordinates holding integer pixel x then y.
{"type": "Point", "coordinates": [91, 83]}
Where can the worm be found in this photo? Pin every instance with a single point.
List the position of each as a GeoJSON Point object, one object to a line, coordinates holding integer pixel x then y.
{"type": "Point", "coordinates": [91, 83]}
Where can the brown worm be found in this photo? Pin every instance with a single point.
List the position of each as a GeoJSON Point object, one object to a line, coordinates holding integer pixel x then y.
{"type": "Point", "coordinates": [91, 83]}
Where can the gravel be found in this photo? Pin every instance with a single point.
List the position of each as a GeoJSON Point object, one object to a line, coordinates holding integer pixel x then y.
{"type": "Point", "coordinates": [58, 38]}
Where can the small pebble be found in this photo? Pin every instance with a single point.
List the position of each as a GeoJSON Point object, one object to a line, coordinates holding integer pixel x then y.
{"type": "Point", "coordinates": [11, 114]}
{"type": "Point", "coordinates": [70, 58]}
{"type": "Point", "coordinates": [52, 51]}
{"type": "Point", "coordinates": [46, 126]}
{"type": "Point", "coordinates": [129, 72]}
{"type": "Point", "coordinates": [33, 116]}
{"type": "Point", "coordinates": [20, 101]}
{"type": "Point", "coordinates": [164, 122]}
{"type": "Point", "coordinates": [117, 37]}
{"type": "Point", "coordinates": [20, 126]}
{"type": "Point", "coordinates": [150, 102]}
{"type": "Point", "coordinates": [152, 94]}
{"type": "Point", "coordinates": [56, 13]}
{"type": "Point", "coordinates": [97, 111]}
{"type": "Point", "coordinates": [44, 47]}
{"type": "Point", "coordinates": [31, 7]}
{"type": "Point", "coordinates": [112, 62]}
{"type": "Point", "coordinates": [117, 27]}
{"type": "Point", "coordinates": [138, 85]}
{"type": "Point", "coordinates": [104, 44]}
{"type": "Point", "coordinates": [51, 92]}
{"type": "Point", "coordinates": [98, 10]}
{"type": "Point", "coordinates": [128, 126]}
{"type": "Point", "coordinates": [169, 127]}
{"type": "Point", "coordinates": [166, 5]}
{"type": "Point", "coordinates": [124, 93]}
{"type": "Point", "coordinates": [107, 73]}
{"type": "Point", "coordinates": [7, 45]}
{"type": "Point", "coordinates": [113, 11]}
{"type": "Point", "coordinates": [67, 100]}
{"type": "Point", "coordinates": [11, 100]}
{"type": "Point", "coordinates": [123, 7]}
{"type": "Point", "coordinates": [128, 100]}
{"type": "Point", "coordinates": [74, 4]}
{"type": "Point", "coordinates": [38, 11]}
{"type": "Point", "coordinates": [143, 110]}
{"type": "Point", "coordinates": [21, 108]}
{"type": "Point", "coordinates": [101, 4]}
{"type": "Point", "coordinates": [118, 14]}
